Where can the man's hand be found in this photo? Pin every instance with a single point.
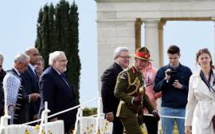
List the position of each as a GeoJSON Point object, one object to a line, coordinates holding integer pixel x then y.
{"type": "Point", "coordinates": [177, 84]}
{"type": "Point", "coordinates": [33, 97]}
{"type": "Point", "coordinates": [156, 115]}
{"type": "Point", "coordinates": [35, 117]}
{"type": "Point", "coordinates": [187, 130]}
{"type": "Point", "coordinates": [137, 100]}
{"type": "Point", "coordinates": [109, 117]}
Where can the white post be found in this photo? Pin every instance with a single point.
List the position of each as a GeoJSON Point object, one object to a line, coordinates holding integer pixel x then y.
{"type": "Point", "coordinates": [4, 119]}
{"type": "Point", "coordinates": [44, 118]}
{"type": "Point", "coordinates": [81, 120]}
{"type": "Point", "coordinates": [98, 123]}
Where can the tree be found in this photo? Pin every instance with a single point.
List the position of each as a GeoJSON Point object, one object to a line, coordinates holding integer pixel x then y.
{"type": "Point", "coordinates": [74, 60]}
{"type": "Point", "coordinates": [57, 30]}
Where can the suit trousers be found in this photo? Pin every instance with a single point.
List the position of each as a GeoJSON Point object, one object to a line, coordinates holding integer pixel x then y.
{"type": "Point", "coordinates": [151, 124]}
{"type": "Point", "coordinates": [117, 126]}
{"type": "Point", "coordinates": [131, 125]}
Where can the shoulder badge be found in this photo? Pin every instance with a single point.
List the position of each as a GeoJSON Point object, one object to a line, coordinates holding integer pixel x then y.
{"type": "Point", "coordinates": [123, 75]}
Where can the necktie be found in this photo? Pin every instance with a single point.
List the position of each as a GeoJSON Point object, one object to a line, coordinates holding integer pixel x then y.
{"type": "Point", "coordinates": [64, 79]}
{"type": "Point", "coordinates": [35, 72]}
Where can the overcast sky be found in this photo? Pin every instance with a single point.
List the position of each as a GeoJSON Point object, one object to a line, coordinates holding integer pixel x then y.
{"type": "Point", "coordinates": [18, 32]}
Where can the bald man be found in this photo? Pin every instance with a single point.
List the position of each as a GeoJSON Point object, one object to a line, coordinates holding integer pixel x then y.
{"type": "Point", "coordinates": [30, 79]}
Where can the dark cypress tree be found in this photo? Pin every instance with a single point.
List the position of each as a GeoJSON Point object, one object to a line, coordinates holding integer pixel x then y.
{"type": "Point", "coordinates": [62, 24]}
{"type": "Point", "coordinates": [43, 42]}
{"type": "Point", "coordinates": [52, 28]}
{"type": "Point", "coordinates": [74, 60]}
{"type": "Point", "coordinates": [57, 30]}
{"type": "Point", "coordinates": [38, 43]}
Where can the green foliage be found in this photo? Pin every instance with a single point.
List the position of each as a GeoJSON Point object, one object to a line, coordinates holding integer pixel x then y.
{"type": "Point", "coordinates": [89, 111]}
{"type": "Point", "coordinates": [57, 30]}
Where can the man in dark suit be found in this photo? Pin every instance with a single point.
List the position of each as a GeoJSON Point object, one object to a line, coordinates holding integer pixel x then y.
{"type": "Point", "coordinates": [57, 91]}
{"type": "Point", "coordinates": [108, 78]}
{"type": "Point", "coordinates": [30, 80]}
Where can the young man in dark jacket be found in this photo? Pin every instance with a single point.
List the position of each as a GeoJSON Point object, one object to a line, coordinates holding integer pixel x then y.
{"type": "Point", "coordinates": [173, 80]}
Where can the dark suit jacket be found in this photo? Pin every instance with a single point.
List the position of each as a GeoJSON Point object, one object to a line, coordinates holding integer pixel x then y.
{"type": "Point", "coordinates": [2, 74]}
{"type": "Point", "coordinates": [59, 96]}
{"type": "Point", "coordinates": [108, 79]}
{"type": "Point", "coordinates": [31, 85]}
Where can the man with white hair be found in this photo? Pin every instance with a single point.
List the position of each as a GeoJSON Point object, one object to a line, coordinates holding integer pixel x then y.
{"type": "Point", "coordinates": [108, 78]}
{"type": "Point", "coordinates": [57, 91]}
{"type": "Point", "coordinates": [17, 98]}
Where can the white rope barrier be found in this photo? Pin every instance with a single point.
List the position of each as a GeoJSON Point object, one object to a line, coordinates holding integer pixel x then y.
{"type": "Point", "coordinates": [166, 116]}
{"type": "Point", "coordinates": [95, 124]}
{"type": "Point", "coordinates": [4, 127]}
{"type": "Point", "coordinates": [69, 109]}
{"type": "Point", "coordinates": [64, 111]}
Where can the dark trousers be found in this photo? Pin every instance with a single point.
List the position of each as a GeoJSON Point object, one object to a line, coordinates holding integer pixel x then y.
{"type": "Point", "coordinates": [117, 126]}
{"type": "Point", "coordinates": [151, 124]}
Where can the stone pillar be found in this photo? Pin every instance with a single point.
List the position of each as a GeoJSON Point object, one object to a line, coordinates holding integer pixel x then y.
{"type": "Point", "coordinates": [138, 24]}
{"type": "Point", "coordinates": [160, 37]}
{"type": "Point", "coordinates": [152, 40]}
{"type": "Point", "coordinates": [111, 34]}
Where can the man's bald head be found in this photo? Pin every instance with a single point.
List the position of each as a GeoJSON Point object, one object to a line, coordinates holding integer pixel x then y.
{"type": "Point", "coordinates": [33, 53]}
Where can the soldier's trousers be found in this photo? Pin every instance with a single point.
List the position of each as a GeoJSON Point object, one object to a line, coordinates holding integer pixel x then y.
{"type": "Point", "coordinates": [131, 125]}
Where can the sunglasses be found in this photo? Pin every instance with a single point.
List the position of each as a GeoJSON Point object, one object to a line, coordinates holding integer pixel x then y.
{"type": "Point", "coordinates": [0, 66]}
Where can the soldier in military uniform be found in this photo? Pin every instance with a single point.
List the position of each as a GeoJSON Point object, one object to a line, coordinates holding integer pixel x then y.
{"type": "Point", "coordinates": [129, 89]}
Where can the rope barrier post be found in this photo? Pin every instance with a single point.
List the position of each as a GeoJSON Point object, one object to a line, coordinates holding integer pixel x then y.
{"type": "Point", "coordinates": [4, 123]}
{"type": "Point", "coordinates": [44, 119]}
{"type": "Point", "coordinates": [4, 119]}
{"type": "Point", "coordinates": [77, 121]}
{"type": "Point", "coordinates": [98, 123]}
{"type": "Point", "coordinates": [81, 119]}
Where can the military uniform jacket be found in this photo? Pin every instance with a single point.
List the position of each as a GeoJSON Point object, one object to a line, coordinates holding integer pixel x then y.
{"type": "Point", "coordinates": [128, 86]}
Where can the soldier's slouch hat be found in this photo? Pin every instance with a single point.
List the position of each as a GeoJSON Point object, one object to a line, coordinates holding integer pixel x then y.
{"type": "Point", "coordinates": [143, 54]}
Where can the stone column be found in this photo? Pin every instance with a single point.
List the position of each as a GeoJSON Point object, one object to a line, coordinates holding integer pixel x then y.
{"type": "Point", "coordinates": [138, 24]}
{"type": "Point", "coordinates": [160, 37]}
{"type": "Point", "coordinates": [111, 34]}
{"type": "Point", "coordinates": [152, 40]}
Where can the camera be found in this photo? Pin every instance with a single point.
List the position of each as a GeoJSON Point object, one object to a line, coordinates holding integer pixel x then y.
{"type": "Point", "coordinates": [170, 72]}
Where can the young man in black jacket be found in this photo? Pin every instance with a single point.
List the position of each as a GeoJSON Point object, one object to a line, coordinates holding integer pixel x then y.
{"type": "Point", "coordinates": [173, 80]}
